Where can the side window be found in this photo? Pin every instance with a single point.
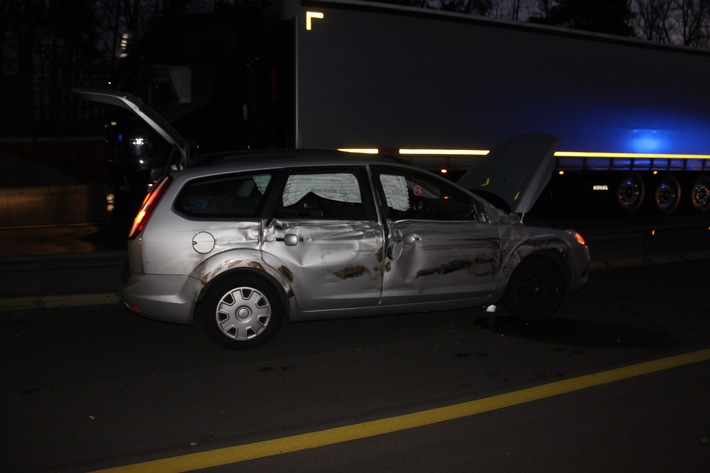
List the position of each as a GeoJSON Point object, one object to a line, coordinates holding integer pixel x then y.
{"type": "Point", "coordinates": [415, 197]}
{"type": "Point", "coordinates": [326, 195]}
{"type": "Point", "coordinates": [235, 196]}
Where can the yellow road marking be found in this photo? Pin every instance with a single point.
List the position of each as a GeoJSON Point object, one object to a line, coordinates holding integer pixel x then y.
{"type": "Point", "coordinates": [239, 453]}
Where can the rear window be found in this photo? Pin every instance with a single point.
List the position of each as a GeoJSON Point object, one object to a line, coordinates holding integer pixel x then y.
{"type": "Point", "coordinates": [235, 195]}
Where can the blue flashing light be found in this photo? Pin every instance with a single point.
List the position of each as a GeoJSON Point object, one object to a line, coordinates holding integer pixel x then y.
{"type": "Point", "coordinates": [650, 141]}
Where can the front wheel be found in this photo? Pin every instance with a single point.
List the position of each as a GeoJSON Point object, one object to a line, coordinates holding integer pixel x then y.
{"type": "Point", "coordinates": [536, 289]}
{"type": "Point", "coordinates": [241, 312]}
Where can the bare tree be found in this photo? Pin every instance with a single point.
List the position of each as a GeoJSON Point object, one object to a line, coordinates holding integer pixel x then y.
{"type": "Point", "coordinates": [694, 19]}
{"type": "Point", "coordinates": [653, 19]}
{"type": "Point", "coordinates": [515, 10]}
{"type": "Point", "coordinates": [685, 22]}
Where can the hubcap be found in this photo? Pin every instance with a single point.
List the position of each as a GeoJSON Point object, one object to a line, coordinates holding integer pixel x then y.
{"type": "Point", "coordinates": [243, 313]}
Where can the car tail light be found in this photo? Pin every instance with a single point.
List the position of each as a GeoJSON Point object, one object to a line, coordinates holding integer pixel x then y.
{"type": "Point", "coordinates": [149, 203]}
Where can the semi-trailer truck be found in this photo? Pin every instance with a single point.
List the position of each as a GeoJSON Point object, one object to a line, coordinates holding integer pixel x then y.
{"type": "Point", "coordinates": [435, 87]}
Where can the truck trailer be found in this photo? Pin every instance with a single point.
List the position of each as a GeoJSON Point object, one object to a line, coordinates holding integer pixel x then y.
{"type": "Point", "coordinates": [438, 88]}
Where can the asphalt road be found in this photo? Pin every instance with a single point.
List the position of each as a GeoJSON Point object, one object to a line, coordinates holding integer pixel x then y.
{"type": "Point", "coordinates": [95, 387]}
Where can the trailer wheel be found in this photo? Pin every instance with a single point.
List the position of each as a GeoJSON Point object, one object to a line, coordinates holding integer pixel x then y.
{"type": "Point", "coordinates": [667, 194]}
{"type": "Point", "coordinates": [630, 192]}
{"type": "Point", "coordinates": [700, 194]}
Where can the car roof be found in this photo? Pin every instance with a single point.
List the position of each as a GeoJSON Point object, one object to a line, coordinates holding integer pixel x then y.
{"type": "Point", "coordinates": [284, 158]}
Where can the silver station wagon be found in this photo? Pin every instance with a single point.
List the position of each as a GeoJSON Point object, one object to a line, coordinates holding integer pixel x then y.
{"type": "Point", "coordinates": [243, 241]}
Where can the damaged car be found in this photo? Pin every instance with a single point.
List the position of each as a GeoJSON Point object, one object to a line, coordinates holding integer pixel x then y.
{"type": "Point", "coordinates": [243, 241]}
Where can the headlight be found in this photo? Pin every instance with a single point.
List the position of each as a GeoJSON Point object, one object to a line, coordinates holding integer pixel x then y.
{"type": "Point", "coordinates": [577, 236]}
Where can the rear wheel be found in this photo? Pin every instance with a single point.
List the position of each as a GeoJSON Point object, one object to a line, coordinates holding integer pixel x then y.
{"type": "Point", "coordinates": [536, 289]}
{"type": "Point", "coordinates": [241, 311]}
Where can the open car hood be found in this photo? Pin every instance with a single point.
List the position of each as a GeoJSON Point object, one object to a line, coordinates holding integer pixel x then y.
{"type": "Point", "coordinates": [516, 170]}
{"type": "Point", "coordinates": [132, 103]}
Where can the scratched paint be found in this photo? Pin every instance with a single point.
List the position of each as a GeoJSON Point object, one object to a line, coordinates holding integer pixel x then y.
{"type": "Point", "coordinates": [287, 273]}
{"type": "Point", "coordinates": [331, 264]}
{"type": "Point", "coordinates": [351, 272]}
{"type": "Point", "coordinates": [445, 268]}
{"type": "Point", "coordinates": [255, 265]}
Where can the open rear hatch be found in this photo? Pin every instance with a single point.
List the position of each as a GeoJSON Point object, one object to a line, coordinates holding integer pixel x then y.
{"type": "Point", "coordinates": [152, 118]}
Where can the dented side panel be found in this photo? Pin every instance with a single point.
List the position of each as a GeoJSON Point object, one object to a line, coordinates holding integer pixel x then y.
{"type": "Point", "coordinates": [440, 260]}
{"type": "Point", "coordinates": [171, 248]}
{"type": "Point", "coordinates": [521, 241]}
{"type": "Point", "coordinates": [329, 264]}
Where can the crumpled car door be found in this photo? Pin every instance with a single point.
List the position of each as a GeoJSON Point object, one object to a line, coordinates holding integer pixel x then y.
{"type": "Point", "coordinates": [437, 249]}
{"type": "Point", "coordinates": [325, 242]}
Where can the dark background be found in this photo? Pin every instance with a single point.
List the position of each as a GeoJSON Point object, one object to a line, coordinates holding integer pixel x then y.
{"type": "Point", "coordinates": [50, 46]}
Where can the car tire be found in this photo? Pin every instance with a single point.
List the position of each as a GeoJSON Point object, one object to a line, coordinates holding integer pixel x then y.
{"type": "Point", "coordinates": [241, 311]}
{"type": "Point", "coordinates": [536, 289]}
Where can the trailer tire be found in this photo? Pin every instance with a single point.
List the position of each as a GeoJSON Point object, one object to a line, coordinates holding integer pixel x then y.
{"type": "Point", "coordinates": [667, 195]}
{"type": "Point", "coordinates": [700, 194]}
{"type": "Point", "coordinates": [630, 192]}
